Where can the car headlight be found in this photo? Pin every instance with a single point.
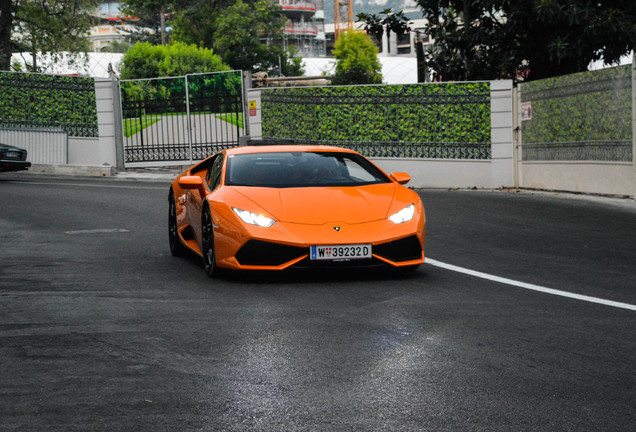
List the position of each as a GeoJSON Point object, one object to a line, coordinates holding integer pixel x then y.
{"type": "Point", "coordinates": [404, 215]}
{"type": "Point", "coordinates": [253, 218]}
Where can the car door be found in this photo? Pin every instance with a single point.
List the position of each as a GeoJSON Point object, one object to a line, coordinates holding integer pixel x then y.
{"type": "Point", "coordinates": [212, 180]}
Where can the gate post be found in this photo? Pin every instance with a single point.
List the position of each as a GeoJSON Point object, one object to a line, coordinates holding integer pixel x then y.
{"type": "Point", "coordinates": [187, 92]}
{"type": "Point", "coordinates": [118, 121]}
{"type": "Point", "coordinates": [247, 85]}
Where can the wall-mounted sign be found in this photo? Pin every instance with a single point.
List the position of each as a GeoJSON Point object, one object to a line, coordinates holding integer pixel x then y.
{"type": "Point", "coordinates": [526, 111]}
{"type": "Point", "coordinates": [252, 106]}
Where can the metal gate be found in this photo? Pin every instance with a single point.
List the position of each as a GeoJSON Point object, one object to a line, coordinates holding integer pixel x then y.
{"type": "Point", "coordinates": [179, 120]}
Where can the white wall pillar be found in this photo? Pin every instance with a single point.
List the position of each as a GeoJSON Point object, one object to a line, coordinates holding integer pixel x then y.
{"type": "Point", "coordinates": [106, 151]}
{"type": "Point", "coordinates": [501, 132]}
{"type": "Point", "coordinates": [393, 43]}
{"type": "Point", "coordinates": [254, 113]}
{"type": "Point", "coordinates": [385, 44]}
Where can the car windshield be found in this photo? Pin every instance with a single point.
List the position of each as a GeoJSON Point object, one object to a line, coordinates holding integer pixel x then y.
{"type": "Point", "coordinates": [301, 169]}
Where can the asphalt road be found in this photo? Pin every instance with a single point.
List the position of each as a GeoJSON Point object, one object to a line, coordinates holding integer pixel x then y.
{"type": "Point", "coordinates": [101, 329]}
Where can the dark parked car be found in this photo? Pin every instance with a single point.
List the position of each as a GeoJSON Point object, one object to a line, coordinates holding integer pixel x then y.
{"type": "Point", "coordinates": [13, 158]}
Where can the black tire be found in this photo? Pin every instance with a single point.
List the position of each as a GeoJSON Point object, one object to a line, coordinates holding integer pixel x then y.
{"type": "Point", "coordinates": [176, 247]}
{"type": "Point", "coordinates": [207, 242]}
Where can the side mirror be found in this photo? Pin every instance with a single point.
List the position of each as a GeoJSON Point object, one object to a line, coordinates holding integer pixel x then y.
{"type": "Point", "coordinates": [401, 177]}
{"type": "Point", "coordinates": [191, 182]}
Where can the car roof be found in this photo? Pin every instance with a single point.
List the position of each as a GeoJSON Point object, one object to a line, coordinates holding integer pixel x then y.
{"type": "Point", "coordinates": [7, 146]}
{"type": "Point", "coordinates": [285, 148]}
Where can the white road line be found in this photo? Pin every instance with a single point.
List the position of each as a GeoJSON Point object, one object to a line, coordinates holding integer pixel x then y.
{"type": "Point", "coordinates": [530, 286]}
{"type": "Point", "coordinates": [98, 231]}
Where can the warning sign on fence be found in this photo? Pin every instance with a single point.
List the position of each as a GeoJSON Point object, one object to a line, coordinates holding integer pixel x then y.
{"type": "Point", "coordinates": [526, 111]}
{"type": "Point", "coordinates": [252, 106]}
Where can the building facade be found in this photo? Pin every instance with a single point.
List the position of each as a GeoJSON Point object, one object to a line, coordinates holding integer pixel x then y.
{"type": "Point", "coordinates": [304, 31]}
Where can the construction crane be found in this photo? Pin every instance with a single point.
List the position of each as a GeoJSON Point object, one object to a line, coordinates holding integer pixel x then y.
{"type": "Point", "coordinates": [343, 16]}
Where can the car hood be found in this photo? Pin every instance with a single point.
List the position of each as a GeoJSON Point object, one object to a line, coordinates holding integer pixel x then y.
{"type": "Point", "coordinates": [319, 205]}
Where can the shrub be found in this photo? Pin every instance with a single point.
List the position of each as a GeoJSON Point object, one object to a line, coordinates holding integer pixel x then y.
{"type": "Point", "coordinates": [357, 60]}
{"type": "Point", "coordinates": [153, 61]}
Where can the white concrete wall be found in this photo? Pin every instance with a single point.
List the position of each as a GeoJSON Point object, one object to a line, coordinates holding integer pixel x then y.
{"type": "Point", "coordinates": [440, 173]}
{"type": "Point", "coordinates": [606, 178]}
{"type": "Point", "coordinates": [100, 151]}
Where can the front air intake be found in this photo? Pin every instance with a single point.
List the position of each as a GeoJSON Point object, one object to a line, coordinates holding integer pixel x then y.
{"type": "Point", "coordinates": [262, 253]}
{"type": "Point", "coordinates": [406, 249]}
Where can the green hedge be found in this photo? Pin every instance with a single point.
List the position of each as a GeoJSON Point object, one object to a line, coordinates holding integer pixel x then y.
{"type": "Point", "coordinates": [449, 120]}
{"type": "Point", "coordinates": [48, 102]}
{"type": "Point", "coordinates": [580, 116]}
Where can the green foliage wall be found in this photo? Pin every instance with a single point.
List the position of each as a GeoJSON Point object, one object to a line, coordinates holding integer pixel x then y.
{"type": "Point", "coordinates": [48, 102]}
{"type": "Point", "coordinates": [448, 120]}
{"type": "Point", "coordinates": [584, 116]}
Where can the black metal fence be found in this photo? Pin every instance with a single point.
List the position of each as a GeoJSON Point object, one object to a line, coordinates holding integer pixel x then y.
{"type": "Point", "coordinates": [181, 119]}
{"type": "Point", "coordinates": [443, 120]}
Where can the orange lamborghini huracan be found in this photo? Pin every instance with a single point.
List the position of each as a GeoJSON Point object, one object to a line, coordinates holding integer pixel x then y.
{"type": "Point", "coordinates": [276, 207]}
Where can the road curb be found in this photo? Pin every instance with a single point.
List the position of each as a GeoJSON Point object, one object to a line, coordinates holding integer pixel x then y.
{"type": "Point", "coordinates": [80, 170]}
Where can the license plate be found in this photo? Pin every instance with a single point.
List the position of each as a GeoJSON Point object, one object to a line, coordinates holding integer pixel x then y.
{"type": "Point", "coordinates": [340, 252]}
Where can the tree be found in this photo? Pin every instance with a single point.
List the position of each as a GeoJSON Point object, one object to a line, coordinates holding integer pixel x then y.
{"type": "Point", "coordinates": [147, 61]}
{"type": "Point", "coordinates": [150, 24]}
{"type": "Point", "coordinates": [394, 22]}
{"type": "Point", "coordinates": [374, 25]}
{"type": "Point", "coordinates": [246, 33]}
{"type": "Point", "coordinates": [489, 39]}
{"type": "Point", "coordinates": [249, 37]}
{"type": "Point", "coordinates": [356, 60]}
{"type": "Point", "coordinates": [44, 26]}
{"type": "Point", "coordinates": [195, 21]}
{"type": "Point", "coordinates": [6, 25]}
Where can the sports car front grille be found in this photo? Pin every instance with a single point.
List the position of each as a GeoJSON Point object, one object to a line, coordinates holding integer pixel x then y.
{"type": "Point", "coordinates": [406, 249]}
{"type": "Point", "coordinates": [261, 253]}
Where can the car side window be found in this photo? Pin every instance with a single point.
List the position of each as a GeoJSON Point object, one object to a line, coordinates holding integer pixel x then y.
{"type": "Point", "coordinates": [214, 175]}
